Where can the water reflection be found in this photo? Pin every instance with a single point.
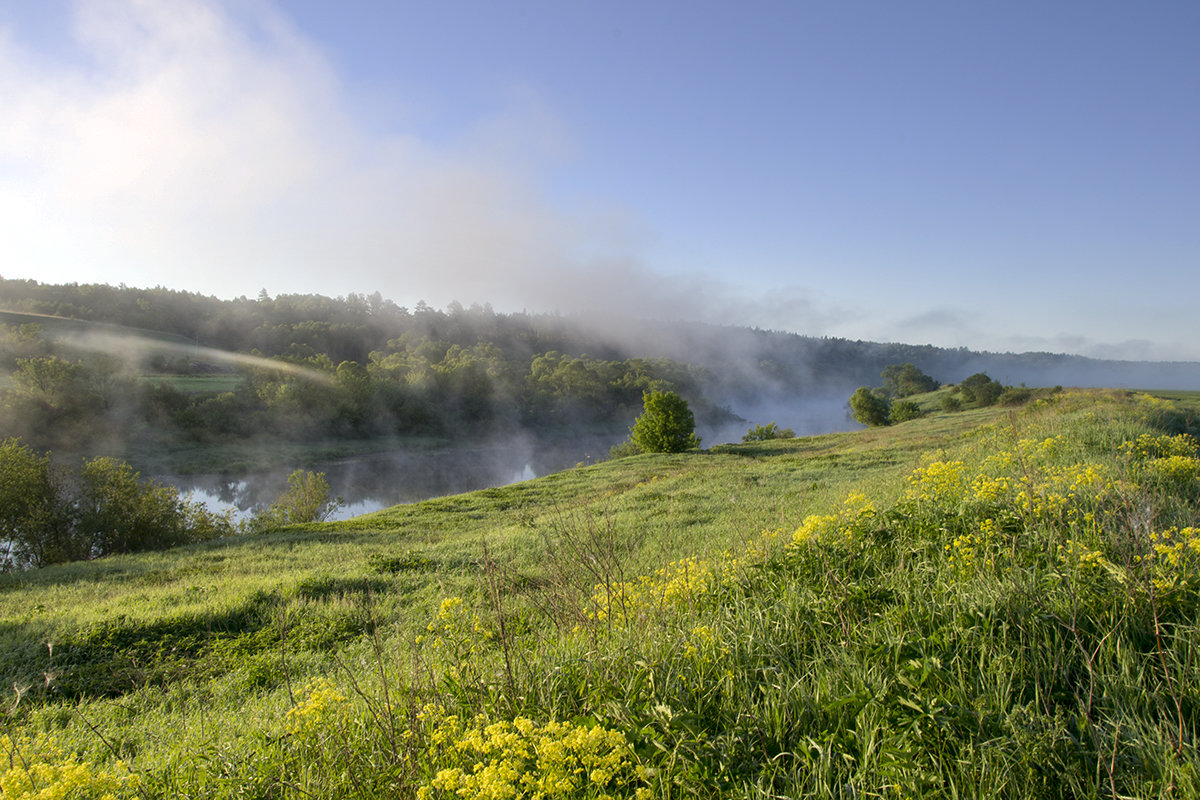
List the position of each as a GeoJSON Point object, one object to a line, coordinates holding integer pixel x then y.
{"type": "Point", "coordinates": [370, 483]}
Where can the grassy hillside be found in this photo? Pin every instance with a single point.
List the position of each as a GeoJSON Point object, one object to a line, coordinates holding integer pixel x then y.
{"type": "Point", "coordinates": [993, 603]}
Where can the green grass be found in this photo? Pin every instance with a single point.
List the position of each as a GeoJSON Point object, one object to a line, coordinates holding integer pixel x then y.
{"type": "Point", "coordinates": [996, 602]}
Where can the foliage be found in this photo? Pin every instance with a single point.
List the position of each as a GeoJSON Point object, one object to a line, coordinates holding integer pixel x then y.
{"type": "Point", "coordinates": [33, 521]}
{"type": "Point", "coordinates": [995, 604]}
{"type": "Point", "coordinates": [949, 402]}
{"type": "Point", "coordinates": [903, 411]}
{"type": "Point", "coordinates": [763, 433]}
{"type": "Point", "coordinates": [184, 369]}
{"type": "Point", "coordinates": [118, 513]}
{"type": "Point", "coordinates": [50, 516]}
{"type": "Point", "coordinates": [415, 384]}
{"type": "Point", "coordinates": [306, 499]}
{"type": "Point", "coordinates": [980, 389]}
{"type": "Point", "coordinates": [666, 424]}
{"type": "Point", "coordinates": [869, 408]}
{"type": "Point", "coordinates": [904, 380]}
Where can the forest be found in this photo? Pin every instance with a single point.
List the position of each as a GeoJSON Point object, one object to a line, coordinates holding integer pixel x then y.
{"type": "Point", "coordinates": [172, 369]}
{"type": "Point", "coordinates": [90, 368]}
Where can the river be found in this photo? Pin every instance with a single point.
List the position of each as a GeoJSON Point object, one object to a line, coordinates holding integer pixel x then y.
{"type": "Point", "coordinates": [380, 480]}
{"type": "Point", "coordinates": [373, 482]}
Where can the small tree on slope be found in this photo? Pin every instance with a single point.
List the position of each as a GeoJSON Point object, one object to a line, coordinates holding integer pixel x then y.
{"type": "Point", "coordinates": [666, 424]}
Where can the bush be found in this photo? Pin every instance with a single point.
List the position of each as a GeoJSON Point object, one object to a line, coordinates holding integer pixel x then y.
{"type": "Point", "coordinates": [32, 520]}
{"type": "Point", "coordinates": [626, 448]}
{"type": "Point", "coordinates": [869, 408]}
{"type": "Point", "coordinates": [1014, 396]}
{"type": "Point", "coordinates": [903, 380]}
{"type": "Point", "coordinates": [306, 499]}
{"type": "Point", "coordinates": [980, 389]}
{"type": "Point", "coordinates": [762, 433]}
{"type": "Point", "coordinates": [904, 410]}
{"type": "Point", "coordinates": [666, 424]}
{"type": "Point", "coordinates": [950, 402]}
{"type": "Point", "coordinates": [49, 517]}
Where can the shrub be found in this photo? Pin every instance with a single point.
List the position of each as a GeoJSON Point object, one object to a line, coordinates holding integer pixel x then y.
{"type": "Point", "coordinates": [868, 407]}
{"type": "Point", "coordinates": [904, 410]}
{"type": "Point", "coordinates": [626, 448]}
{"type": "Point", "coordinates": [980, 389]}
{"type": "Point", "coordinates": [1014, 396]}
{"type": "Point", "coordinates": [950, 402]}
{"type": "Point", "coordinates": [762, 433]}
{"type": "Point", "coordinates": [666, 424]}
{"type": "Point", "coordinates": [49, 517]}
{"type": "Point", "coordinates": [306, 499]}
{"type": "Point", "coordinates": [902, 380]}
{"type": "Point", "coordinates": [32, 521]}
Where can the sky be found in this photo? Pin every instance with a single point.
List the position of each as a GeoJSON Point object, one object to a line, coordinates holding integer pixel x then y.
{"type": "Point", "coordinates": [1013, 175]}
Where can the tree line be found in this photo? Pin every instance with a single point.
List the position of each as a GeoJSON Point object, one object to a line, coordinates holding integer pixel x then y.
{"type": "Point", "coordinates": [887, 404]}
{"type": "Point", "coordinates": [61, 397]}
{"type": "Point", "coordinates": [52, 513]}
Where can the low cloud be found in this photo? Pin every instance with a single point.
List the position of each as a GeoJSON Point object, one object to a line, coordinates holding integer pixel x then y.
{"type": "Point", "coordinates": [210, 146]}
{"type": "Point", "coordinates": [190, 146]}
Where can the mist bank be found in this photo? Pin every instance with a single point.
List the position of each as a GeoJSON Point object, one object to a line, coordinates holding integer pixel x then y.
{"type": "Point", "coordinates": [780, 361]}
{"type": "Point", "coordinates": [96, 368]}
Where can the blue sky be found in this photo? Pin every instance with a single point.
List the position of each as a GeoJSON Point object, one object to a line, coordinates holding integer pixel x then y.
{"type": "Point", "coordinates": [995, 175]}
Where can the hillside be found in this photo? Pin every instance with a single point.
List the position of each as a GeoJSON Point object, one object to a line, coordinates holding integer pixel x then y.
{"type": "Point", "coordinates": [164, 379]}
{"type": "Point", "coordinates": [995, 603]}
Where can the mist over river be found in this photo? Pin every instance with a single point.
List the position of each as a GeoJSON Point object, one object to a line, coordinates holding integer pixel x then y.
{"type": "Point", "coordinates": [380, 480]}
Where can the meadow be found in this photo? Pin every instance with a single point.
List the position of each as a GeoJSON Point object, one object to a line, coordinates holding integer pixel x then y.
{"type": "Point", "coordinates": [993, 603]}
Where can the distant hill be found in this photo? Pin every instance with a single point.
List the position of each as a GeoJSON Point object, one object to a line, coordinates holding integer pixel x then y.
{"type": "Point", "coordinates": [745, 362]}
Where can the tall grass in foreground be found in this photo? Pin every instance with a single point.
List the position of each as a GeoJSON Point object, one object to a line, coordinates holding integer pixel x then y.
{"type": "Point", "coordinates": [1018, 620]}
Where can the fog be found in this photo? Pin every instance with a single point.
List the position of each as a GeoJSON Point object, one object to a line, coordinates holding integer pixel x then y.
{"type": "Point", "coordinates": [218, 146]}
{"type": "Point", "coordinates": [381, 480]}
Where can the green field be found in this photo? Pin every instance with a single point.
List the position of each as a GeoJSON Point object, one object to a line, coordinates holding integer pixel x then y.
{"type": "Point", "coordinates": [992, 603]}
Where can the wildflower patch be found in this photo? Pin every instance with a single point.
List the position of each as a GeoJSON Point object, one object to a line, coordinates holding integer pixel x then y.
{"type": "Point", "coordinates": [40, 769]}
{"type": "Point", "coordinates": [523, 758]}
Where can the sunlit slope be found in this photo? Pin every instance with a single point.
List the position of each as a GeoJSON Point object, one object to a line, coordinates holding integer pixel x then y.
{"type": "Point", "coordinates": [995, 603]}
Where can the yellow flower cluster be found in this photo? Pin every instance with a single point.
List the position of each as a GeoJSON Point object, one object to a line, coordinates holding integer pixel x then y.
{"type": "Point", "coordinates": [1080, 556]}
{"type": "Point", "coordinates": [1152, 402]}
{"type": "Point", "coordinates": [703, 644]}
{"type": "Point", "coordinates": [1174, 556]}
{"type": "Point", "coordinates": [39, 769]}
{"type": "Point", "coordinates": [1151, 446]}
{"type": "Point", "coordinates": [942, 482]}
{"type": "Point", "coordinates": [852, 519]}
{"type": "Point", "coordinates": [526, 759]}
{"type": "Point", "coordinates": [1065, 494]}
{"type": "Point", "coordinates": [322, 703]}
{"type": "Point", "coordinates": [674, 587]}
{"type": "Point", "coordinates": [965, 550]}
{"type": "Point", "coordinates": [1175, 470]}
{"type": "Point", "coordinates": [456, 625]}
{"type": "Point", "coordinates": [989, 488]}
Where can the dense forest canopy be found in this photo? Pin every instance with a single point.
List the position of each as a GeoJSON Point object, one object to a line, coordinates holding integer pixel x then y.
{"type": "Point", "coordinates": [85, 364]}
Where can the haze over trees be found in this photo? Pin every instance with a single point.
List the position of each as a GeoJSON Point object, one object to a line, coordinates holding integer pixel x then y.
{"type": "Point", "coordinates": [88, 368]}
{"type": "Point", "coordinates": [49, 514]}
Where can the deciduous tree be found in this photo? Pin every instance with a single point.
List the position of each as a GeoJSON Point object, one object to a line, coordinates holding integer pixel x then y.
{"type": "Point", "coordinates": [666, 424]}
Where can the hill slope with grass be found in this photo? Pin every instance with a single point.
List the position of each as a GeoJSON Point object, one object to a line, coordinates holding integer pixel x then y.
{"type": "Point", "coordinates": [997, 603]}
